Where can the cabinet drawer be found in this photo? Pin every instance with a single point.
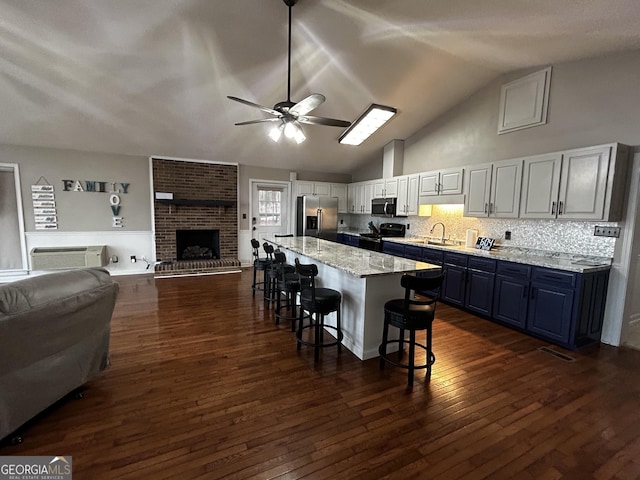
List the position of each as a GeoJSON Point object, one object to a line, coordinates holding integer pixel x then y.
{"type": "Point", "coordinates": [483, 264]}
{"type": "Point", "coordinates": [432, 256]}
{"type": "Point", "coordinates": [553, 277]}
{"type": "Point", "coordinates": [393, 248]}
{"type": "Point", "coordinates": [413, 252]}
{"type": "Point", "coordinates": [455, 259]}
{"type": "Point", "coordinates": [514, 270]}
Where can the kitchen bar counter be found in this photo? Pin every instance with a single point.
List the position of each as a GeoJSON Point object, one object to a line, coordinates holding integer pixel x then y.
{"type": "Point", "coordinates": [352, 260]}
{"type": "Point", "coordinates": [365, 279]}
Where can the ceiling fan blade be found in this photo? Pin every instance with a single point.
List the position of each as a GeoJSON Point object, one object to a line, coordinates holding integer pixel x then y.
{"type": "Point", "coordinates": [307, 104]}
{"type": "Point", "coordinates": [255, 105]}
{"type": "Point", "coordinates": [262, 120]}
{"type": "Point", "coordinates": [330, 122]}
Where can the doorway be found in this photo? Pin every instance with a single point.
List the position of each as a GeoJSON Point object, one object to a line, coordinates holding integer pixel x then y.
{"type": "Point", "coordinates": [270, 209]}
{"type": "Point", "coordinates": [13, 256]}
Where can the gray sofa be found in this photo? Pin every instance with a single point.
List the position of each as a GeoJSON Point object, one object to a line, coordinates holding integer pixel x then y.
{"type": "Point", "coordinates": [54, 337]}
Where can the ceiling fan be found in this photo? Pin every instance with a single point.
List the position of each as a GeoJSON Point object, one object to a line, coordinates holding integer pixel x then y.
{"type": "Point", "coordinates": [289, 115]}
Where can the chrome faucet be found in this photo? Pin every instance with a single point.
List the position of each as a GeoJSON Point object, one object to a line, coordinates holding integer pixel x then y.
{"type": "Point", "coordinates": [434, 227]}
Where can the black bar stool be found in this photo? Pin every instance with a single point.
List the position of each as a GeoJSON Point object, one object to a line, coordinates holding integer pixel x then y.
{"type": "Point", "coordinates": [259, 264]}
{"type": "Point", "coordinates": [318, 302]}
{"type": "Point", "coordinates": [287, 284]}
{"type": "Point", "coordinates": [269, 276]}
{"type": "Point", "coordinates": [411, 313]}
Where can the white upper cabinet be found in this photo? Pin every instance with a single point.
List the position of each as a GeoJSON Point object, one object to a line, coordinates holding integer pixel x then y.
{"type": "Point", "coordinates": [312, 188]}
{"type": "Point", "coordinates": [584, 184]}
{"type": "Point", "coordinates": [477, 191]}
{"type": "Point", "coordinates": [407, 195]}
{"type": "Point", "coordinates": [339, 190]}
{"type": "Point", "coordinates": [540, 183]}
{"type": "Point", "coordinates": [385, 188]}
{"type": "Point", "coordinates": [493, 190]}
{"type": "Point", "coordinates": [442, 182]}
{"type": "Point", "coordinates": [359, 196]}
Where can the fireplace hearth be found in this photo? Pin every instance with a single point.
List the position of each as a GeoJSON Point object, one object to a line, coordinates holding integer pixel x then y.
{"type": "Point", "coordinates": [197, 244]}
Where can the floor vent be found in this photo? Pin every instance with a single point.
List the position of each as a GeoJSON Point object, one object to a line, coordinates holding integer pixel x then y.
{"type": "Point", "coordinates": [559, 355]}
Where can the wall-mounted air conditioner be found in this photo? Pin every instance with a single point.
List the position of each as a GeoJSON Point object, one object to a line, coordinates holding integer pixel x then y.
{"type": "Point", "coordinates": [45, 258]}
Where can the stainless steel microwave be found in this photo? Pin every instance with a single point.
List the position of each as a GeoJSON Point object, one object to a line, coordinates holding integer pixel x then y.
{"type": "Point", "coordinates": [383, 207]}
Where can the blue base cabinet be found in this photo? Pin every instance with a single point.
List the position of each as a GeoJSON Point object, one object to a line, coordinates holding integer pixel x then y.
{"type": "Point", "coordinates": [480, 285]}
{"type": "Point", "coordinates": [511, 294]}
{"type": "Point", "coordinates": [558, 306]}
{"type": "Point", "coordinates": [455, 278]}
{"type": "Point", "coordinates": [551, 302]}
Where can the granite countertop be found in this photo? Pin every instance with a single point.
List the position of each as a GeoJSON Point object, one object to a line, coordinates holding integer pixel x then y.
{"type": "Point", "coordinates": [353, 260]}
{"type": "Point", "coordinates": [540, 258]}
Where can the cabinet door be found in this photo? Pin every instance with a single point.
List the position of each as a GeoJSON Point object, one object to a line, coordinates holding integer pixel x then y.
{"type": "Point", "coordinates": [479, 295]}
{"type": "Point", "coordinates": [321, 189]}
{"type": "Point", "coordinates": [401, 206]}
{"type": "Point", "coordinates": [352, 197]}
{"type": "Point", "coordinates": [391, 187]}
{"type": "Point", "coordinates": [506, 181]}
{"type": "Point", "coordinates": [453, 288]}
{"type": "Point", "coordinates": [367, 197]}
{"type": "Point", "coordinates": [477, 190]}
{"type": "Point", "coordinates": [413, 182]}
{"type": "Point", "coordinates": [550, 309]}
{"type": "Point", "coordinates": [451, 181]}
{"type": "Point", "coordinates": [511, 296]}
{"type": "Point", "coordinates": [583, 183]}
{"type": "Point", "coordinates": [304, 188]}
{"type": "Point", "coordinates": [429, 183]}
{"type": "Point", "coordinates": [540, 183]}
{"type": "Point", "coordinates": [339, 190]}
{"type": "Point", "coordinates": [378, 188]}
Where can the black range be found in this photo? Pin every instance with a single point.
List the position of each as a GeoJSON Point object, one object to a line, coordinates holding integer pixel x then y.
{"type": "Point", "coordinates": [372, 241]}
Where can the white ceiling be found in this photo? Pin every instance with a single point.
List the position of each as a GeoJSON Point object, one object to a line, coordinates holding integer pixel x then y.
{"type": "Point", "coordinates": [150, 77]}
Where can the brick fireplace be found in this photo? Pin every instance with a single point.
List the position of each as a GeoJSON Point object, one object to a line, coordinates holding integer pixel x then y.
{"type": "Point", "coordinates": [203, 216]}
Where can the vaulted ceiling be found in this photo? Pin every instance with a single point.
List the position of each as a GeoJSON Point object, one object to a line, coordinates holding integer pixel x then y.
{"type": "Point", "coordinates": [150, 77]}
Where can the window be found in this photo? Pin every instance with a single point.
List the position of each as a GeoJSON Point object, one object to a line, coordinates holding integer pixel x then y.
{"type": "Point", "coordinates": [269, 207]}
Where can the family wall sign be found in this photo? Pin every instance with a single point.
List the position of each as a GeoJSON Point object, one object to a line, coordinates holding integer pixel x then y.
{"type": "Point", "coordinates": [114, 189]}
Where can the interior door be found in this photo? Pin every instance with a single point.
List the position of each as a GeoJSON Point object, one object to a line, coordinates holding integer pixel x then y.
{"type": "Point", "coordinates": [269, 209]}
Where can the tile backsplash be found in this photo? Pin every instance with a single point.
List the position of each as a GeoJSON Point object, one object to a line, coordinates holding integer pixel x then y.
{"type": "Point", "coordinates": [554, 235]}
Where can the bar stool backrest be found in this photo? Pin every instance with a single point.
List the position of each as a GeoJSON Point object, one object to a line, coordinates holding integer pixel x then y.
{"type": "Point", "coordinates": [307, 274]}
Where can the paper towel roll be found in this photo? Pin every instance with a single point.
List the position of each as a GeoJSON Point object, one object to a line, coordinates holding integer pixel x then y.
{"type": "Point", "coordinates": [472, 237]}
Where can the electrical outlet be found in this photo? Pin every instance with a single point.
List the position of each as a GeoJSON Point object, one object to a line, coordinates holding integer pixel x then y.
{"type": "Point", "coordinates": [607, 232]}
{"type": "Point", "coordinates": [133, 259]}
{"type": "Point", "coordinates": [408, 225]}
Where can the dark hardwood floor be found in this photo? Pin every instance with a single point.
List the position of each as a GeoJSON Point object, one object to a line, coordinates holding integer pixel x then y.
{"type": "Point", "coordinates": [204, 385]}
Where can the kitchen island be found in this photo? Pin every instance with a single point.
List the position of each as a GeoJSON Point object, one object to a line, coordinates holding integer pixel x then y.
{"type": "Point", "coordinates": [366, 280]}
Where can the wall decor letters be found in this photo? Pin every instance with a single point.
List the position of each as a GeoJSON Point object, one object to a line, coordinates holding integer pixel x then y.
{"type": "Point", "coordinates": [114, 189]}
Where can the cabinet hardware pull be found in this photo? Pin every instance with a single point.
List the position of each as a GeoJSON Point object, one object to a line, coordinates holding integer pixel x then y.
{"type": "Point", "coordinates": [533, 293]}
{"type": "Point", "coordinates": [486, 208]}
{"type": "Point", "coordinates": [525, 292]}
{"type": "Point", "coordinates": [490, 208]}
{"type": "Point", "coordinates": [553, 208]}
{"type": "Point", "coordinates": [560, 208]}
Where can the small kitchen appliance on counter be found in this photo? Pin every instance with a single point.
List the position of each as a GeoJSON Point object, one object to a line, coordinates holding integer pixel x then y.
{"type": "Point", "coordinates": [372, 241]}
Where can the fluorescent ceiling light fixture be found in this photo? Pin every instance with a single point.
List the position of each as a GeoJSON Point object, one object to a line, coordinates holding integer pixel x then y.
{"type": "Point", "coordinates": [371, 120]}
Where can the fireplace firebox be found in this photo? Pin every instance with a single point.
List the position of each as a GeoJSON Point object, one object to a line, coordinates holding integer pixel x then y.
{"type": "Point", "coordinates": [197, 244]}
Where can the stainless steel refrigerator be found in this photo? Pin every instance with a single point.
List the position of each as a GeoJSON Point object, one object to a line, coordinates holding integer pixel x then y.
{"type": "Point", "coordinates": [317, 217]}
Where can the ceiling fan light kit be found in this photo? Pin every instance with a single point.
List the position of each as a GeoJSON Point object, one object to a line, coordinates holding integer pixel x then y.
{"type": "Point", "coordinates": [290, 114]}
{"type": "Point", "coordinates": [371, 120]}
